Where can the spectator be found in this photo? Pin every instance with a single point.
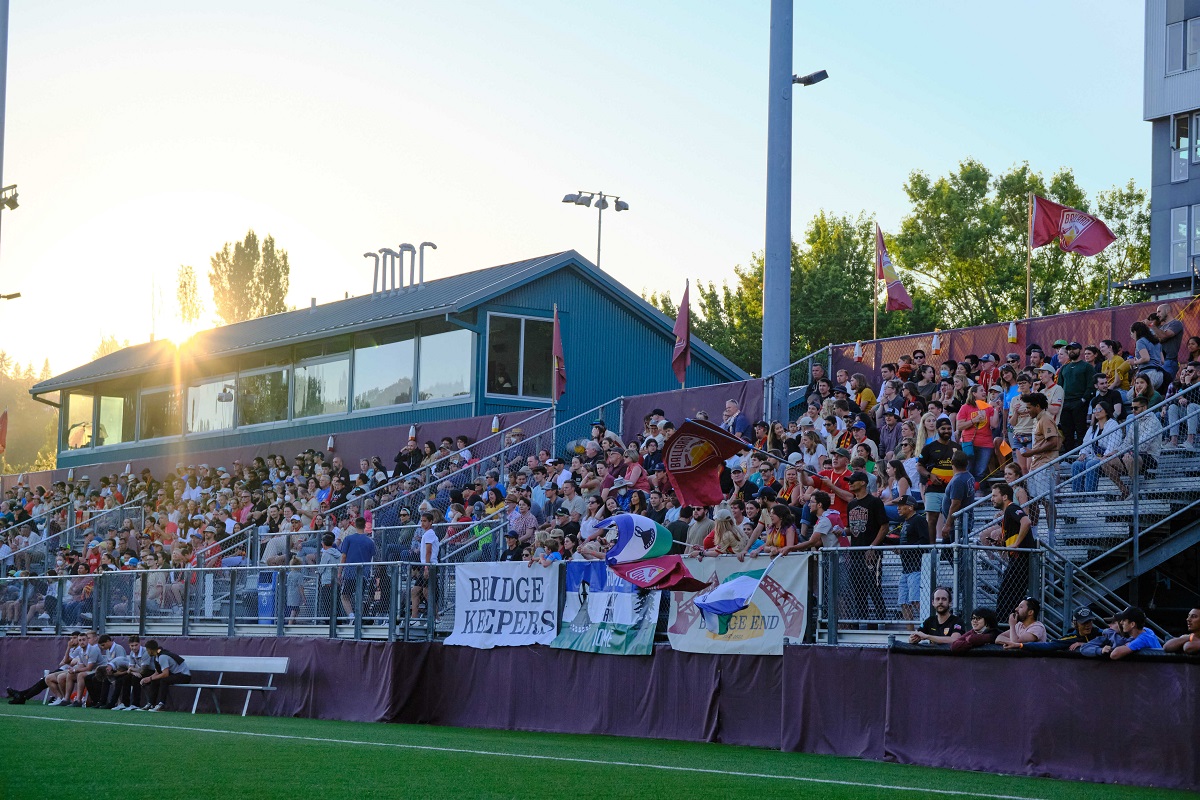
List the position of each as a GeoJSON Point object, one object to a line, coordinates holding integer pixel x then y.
{"type": "Point", "coordinates": [940, 627]}
{"type": "Point", "coordinates": [167, 669]}
{"type": "Point", "coordinates": [1076, 379]}
{"type": "Point", "coordinates": [1101, 443]}
{"type": "Point", "coordinates": [512, 547]}
{"type": "Point", "coordinates": [960, 493]}
{"type": "Point", "coordinates": [1169, 333]}
{"type": "Point", "coordinates": [1118, 370]}
{"type": "Point", "coordinates": [866, 525]}
{"type": "Point", "coordinates": [1023, 624]}
{"type": "Point", "coordinates": [735, 421]}
{"type": "Point", "coordinates": [983, 631]}
{"type": "Point", "coordinates": [1102, 392]}
{"type": "Point", "coordinates": [1042, 450]}
{"type": "Point", "coordinates": [1148, 436]}
{"type": "Point", "coordinates": [1147, 354]}
{"type": "Point", "coordinates": [1084, 630]}
{"type": "Point", "coordinates": [1185, 406]}
{"type": "Point", "coordinates": [936, 469]}
{"type": "Point", "coordinates": [1016, 531]}
{"type": "Point", "coordinates": [357, 548]}
{"type": "Point", "coordinates": [913, 533]}
{"type": "Point", "coordinates": [1132, 625]}
{"type": "Point", "coordinates": [1188, 643]}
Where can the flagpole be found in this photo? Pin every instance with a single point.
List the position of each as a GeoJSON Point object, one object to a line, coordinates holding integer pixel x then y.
{"type": "Point", "coordinates": [1029, 263]}
{"type": "Point", "coordinates": [554, 371]}
{"type": "Point", "coordinates": [875, 302]}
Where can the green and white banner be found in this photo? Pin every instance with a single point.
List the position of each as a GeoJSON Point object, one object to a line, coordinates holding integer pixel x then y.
{"type": "Point", "coordinates": [605, 613]}
{"type": "Point", "coordinates": [777, 611]}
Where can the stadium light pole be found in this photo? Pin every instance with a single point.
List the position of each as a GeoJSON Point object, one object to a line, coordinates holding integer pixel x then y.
{"type": "Point", "coordinates": [777, 261]}
{"type": "Point", "coordinates": [585, 199]}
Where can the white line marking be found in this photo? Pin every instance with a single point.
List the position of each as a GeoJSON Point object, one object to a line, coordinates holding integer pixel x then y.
{"type": "Point", "coordinates": [600, 762]}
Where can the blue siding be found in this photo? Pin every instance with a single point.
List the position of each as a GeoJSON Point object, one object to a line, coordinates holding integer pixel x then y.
{"type": "Point", "coordinates": [1165, 195]}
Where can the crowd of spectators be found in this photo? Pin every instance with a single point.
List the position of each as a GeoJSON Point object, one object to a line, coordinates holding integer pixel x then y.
{"type": "Point", "coordinates": [878, 464]}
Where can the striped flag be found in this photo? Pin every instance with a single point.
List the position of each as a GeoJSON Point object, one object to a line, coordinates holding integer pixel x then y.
{"type": "Point", "coordinates": [897, 296]}
{"type": "Point", "coordinates": [638, 539]}
{"type": "Point", "coordinates": [721, 602]}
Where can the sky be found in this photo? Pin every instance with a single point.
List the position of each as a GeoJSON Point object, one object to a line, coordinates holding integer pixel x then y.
{"type": "Point", "coordinates": [145, 135]}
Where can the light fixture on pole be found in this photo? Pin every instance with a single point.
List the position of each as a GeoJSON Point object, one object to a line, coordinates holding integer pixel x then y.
{"type": "Point", "coordinates": [12, 296]}
{"type": "Point", "coordinates": [602, 202]}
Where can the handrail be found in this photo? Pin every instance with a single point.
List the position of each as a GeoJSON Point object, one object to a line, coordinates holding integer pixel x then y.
{"type": "Point", "coordinates": [91, 521]}
{"type": "Point", "coordinates": [48, 513]}
{"type": "Point", "coordinates": [826, 349]}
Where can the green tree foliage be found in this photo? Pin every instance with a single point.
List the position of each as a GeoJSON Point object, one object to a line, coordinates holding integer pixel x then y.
{"type": "Point", "coordinates": [249, 280]}
{"type": "Point", "coordinates": [32, 426]}
{"type": "Point", "coordinates": [108, 344]}
{"type": "Point", "coordinates": [187, 297]}
{"type": "Point", "coordinates": [965, 240]}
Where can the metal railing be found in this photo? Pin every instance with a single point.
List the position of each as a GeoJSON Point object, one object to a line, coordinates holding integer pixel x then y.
{"type": "Point", "coordinates": [798, 375]}
{"type": "Point", "coordinates": [1107, 509]}
{"type": "Point", "coordinates": [95, 521]}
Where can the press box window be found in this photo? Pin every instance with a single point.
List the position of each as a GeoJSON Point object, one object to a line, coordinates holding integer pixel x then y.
{"type": "Point", "coordinates": [519, 356]}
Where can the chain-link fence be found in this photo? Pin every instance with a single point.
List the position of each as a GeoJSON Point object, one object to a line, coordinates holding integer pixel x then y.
{"type": "Point", "coordinates": [799, 374]}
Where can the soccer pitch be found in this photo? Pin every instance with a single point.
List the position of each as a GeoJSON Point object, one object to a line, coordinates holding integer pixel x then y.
{"type": "Point", "coordinates": [53, 752]}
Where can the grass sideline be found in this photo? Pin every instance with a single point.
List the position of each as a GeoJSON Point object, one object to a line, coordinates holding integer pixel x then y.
{"type": "Point", "coordinates": [105, 754]}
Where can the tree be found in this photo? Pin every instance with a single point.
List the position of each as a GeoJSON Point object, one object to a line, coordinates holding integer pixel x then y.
{"type": "Point", "coordinates": [108, 344]}
{"type": "Point", "coordinates": [249, 281]}
{"type": "Point", "coordinates": [46, 374]}
{"type": "Point", "coordinates": [966, 241]}
{"type": "Point", "coordinates": [187, 298]}
{"type": "Point", "coordinates": [6, 362]}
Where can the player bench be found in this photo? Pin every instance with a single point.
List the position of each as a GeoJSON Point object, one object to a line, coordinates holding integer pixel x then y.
{"type": "Point", "coordinates": [269, 666]}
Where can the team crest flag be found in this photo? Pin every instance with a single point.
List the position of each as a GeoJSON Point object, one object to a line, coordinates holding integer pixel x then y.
{"type": "Point", "coordinates": [898, 298]}
{"type": "Point", "coordinates": [1076, 231]}
{"type": "Point", "coordinates": [681, 356]}
{"type": "Point", "coordinates": [638, 538]}
{"type": "Point", "coordinates": [664, 572]}
{"type": "Point", "coordinates": [693, 459]}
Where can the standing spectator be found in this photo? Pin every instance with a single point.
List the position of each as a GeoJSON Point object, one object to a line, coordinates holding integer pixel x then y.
{"type": "Point", "coordinates": [913, 533]}
{"type": "Point", "coordinates": [1042, 450]}
{"type": "Point", "coordinates": [936, 468]}
{"type": "Point", "coordinates": [1023, 625]}
{"type": "Point", "coordinates": [866, 525]}
{"type": "Point", "coordinates": [1044, 382]}
{"type": "Point", "coordinates": [1147, 354]}
{"type": "Point", "coordinates": [1169, 333]}
{"type": "Point", "coordinates": [974, 425]}
{"type": "Point", "coordinates": [167, 669]}
{"type": "Point", "coordinates": [735, 421]}
{"type": "Point", "coordinates": [429, 546]}
{"type": "Point", "coordinates": [940, 627]}
{"type": "Point", "coordinates": [356, 548]}
{"type": "Point", "coordinates": [1077, 380]}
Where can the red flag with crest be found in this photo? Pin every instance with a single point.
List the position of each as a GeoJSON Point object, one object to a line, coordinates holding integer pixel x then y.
{"type": "Point", "coordinates": [693, 459]}
{"type": "Point", "coordinates": [898, 298]}
{"type": "Point", "coordinates": [682, 355]}
{"type": "Point", "coordinates": [1076, 231]}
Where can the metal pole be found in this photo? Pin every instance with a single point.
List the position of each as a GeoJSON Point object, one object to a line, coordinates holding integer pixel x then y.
{"type": "Point", "coordinates": [777, 262]}
{"type": "Point", "coordinates": [833, 568]}
{"type": "Point", "coordinates": [1135, 485]}
{"type": "Point", "coordinates": [599, 223]}
{"type": "Point", "coordinates": [3, 80]}
{"type": "Point", "coordinates": [1029, 263]}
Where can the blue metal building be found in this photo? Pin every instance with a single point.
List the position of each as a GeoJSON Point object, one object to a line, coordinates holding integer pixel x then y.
{"type": "Point", "coordinates": [473, 344]}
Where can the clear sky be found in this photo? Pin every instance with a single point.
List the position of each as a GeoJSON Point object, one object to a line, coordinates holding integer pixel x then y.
{"type": "Point", "coordinates": [144, 135]}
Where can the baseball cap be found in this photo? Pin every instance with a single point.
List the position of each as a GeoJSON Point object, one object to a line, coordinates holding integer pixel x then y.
{"type": "Point", "coordinates": [840, 389]}
{"type": "Point", "coordinates": [857, 476]}
{"type": "Point", "coordinates": [1085, 614]}
{"type": "Point", "coordinates": [295, 518]}
{"type": "Point", "coordinates": [891, 412]}
{"type": "Point", "coordinates": [805, 420]}
{"type": "Point", "coordinates": [795, 458]}
{"type": "Point", "coordinates": [510, 535]}
{"type": "Point", "coordinates": [905, 500]}
{"type": "Point", "coordinates": [1060, 342]}
{"type": "Point", "coordinates": [841, 451]}
{"type": "Point", "coordinates": [562, 512]}
{"type": "Point", "coordinates": [1013, 357]}
{"type": "Point", "coordinates": [1046, 368]}
{"type": "Point", "coordinates": [860, 425]}
{"type": "Point", "coordinates": [1074, 346]}
{"type": "Point", "coordinates": [736, 469]}
{"type": "Point", "coordinates": [986, 357]}
{"type": "Point", "coordinates": [1134, 615]}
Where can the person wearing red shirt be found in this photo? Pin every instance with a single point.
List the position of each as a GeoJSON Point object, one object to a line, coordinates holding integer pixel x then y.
{"type": "Point", "coordinates": [835, 480]}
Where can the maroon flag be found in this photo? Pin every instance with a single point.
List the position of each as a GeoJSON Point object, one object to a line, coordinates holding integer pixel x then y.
{"type": "Point", "coordinates": [3, 432]}
{"type": "Point", "coordinates": [560, 363]}
{"type": "Point", "coordinates": [664, 572]}
{"type": "Point", "coordinates": [1076, 231]}
{"type": "Point", "coordinates": [898, 298]}
{"type": "Point", "coordinates": [682, 355]}
{"type": "Point", "coordinates": [693, 459]}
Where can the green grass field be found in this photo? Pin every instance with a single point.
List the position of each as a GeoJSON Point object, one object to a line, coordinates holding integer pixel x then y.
{"type": "Point", "coordinates": [55, 753]}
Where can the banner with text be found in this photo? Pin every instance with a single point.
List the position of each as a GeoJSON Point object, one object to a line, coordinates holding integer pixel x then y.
{"type": "Point", "coordinates": [504, 604]}
{"type": "Point", "coordinates": [778, 610]}
{"type": "Point", "coordinates": [606, 613]}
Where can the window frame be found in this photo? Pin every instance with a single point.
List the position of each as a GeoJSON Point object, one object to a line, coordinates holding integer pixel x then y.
{"type": "Point", "coordinates": [520, 395]}
{"type": "Point", "coordinates": [1187, 151]}
{"type": "Point", "coordinates": [65, 420]}
{"type": "Point", "coordinates": [198, 380]}
{"type": "Point", "coordinates": [1174, 241]}
{"type": "Point", "coordinates": [1175, 69]}
{"type": "Point", "coordinates": [251, 373]}
{"type": "Point", "coordinates": [317, 361]}
{"type": "Point", "coordinates": [157, 389]}
{"type": "Point", "coordinates": [454, 400]}
{"type": "Point", "coordinates": [397, 330]}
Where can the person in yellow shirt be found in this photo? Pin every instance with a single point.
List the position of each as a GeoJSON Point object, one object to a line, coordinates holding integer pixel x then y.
{"type": "Point", "coordinates": [1115, 367]}
{"type": "Point", "coordinates": [863, 396]}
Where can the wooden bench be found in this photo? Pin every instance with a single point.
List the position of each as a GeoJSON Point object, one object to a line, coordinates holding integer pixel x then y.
{"type": "Point", "coordinates": [248, 665]}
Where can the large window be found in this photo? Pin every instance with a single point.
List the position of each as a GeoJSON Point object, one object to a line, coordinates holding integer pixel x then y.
{"type": "Point", "coordinates": [1174, 48]}
{"type": "Point", "coordinates": [1179, 239]}
{"type": "Point", "coordinates": [322, 387]}
{"type": "Point", "coordinates": [210, 405]}
{"type": "Point", "coordinates": [519, 356]}
{"type": "Point", "coordinates": [1180, 141]}
{"type": "Point", "coordinates": [383, 368]}
{"type": "Point", "coordinates": [77, 414]}
{"type": "Point", "coordinates": [1192, 45]}
{"type": "Point", "coordinates": [160, 414]}
{"type": "Point", "coordinates": [262, 397]}
{"type": "Point", "coordinates": [445, 368]}
{"type": "Point", "coordinates": [118, 415]}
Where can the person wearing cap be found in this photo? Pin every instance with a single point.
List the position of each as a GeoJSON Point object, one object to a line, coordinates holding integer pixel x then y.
{"type": "Point", "coordinates": [1044, 381]}
{"type": "Point", "coordinates": [936, 468]}
{"type": "Point", "coordinates": [1075, 377]}
{"type": "Point", "coordinates": [1023, 624]}
{"type": "Point", "coordinates": [914, 532]}
{"type": "Point", "coordinates": [512, 547]}
{"type": "Point", "coordinates": [866, 525]}
{"type": "Point", "coordinates": [1086, 628]}
{"type": "Point", "coordinates": [1131, 624]}
{"type": "Point", "coordinates": [1060, 353]}
{"type": "Point", "coordinates": [1188, 643]}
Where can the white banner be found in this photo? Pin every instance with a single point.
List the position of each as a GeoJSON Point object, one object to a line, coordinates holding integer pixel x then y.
{"type": "Point", "coordinates": [778, 610]}
{"type": "Point", "coordinates": [504, 604]}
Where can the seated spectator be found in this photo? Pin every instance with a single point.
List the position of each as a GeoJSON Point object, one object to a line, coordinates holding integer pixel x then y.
{"type": "Point", "coordinates": [167, 669]}
{"type": "Point", "coordinates": [940, 627]}
{"type": "Point", "coordinates": [1185, 410]}
{"type": "Point", "coordinates": [1149, 439]}
{"type": "Point", "coordinates": [1023, 624]}
{"type": "Point", "coordinates": [1189, 643]}
{"type": "Point", "coordinates": [57, 683]}
{"type": "Point", "coordinates": [1085, 630]}
{"type": "Point", "coordinates": [1102, 442]}
{"type": "Point", "coordinates": [983, 631]}
{"type": "Point", "coordinates": [1132, 625]}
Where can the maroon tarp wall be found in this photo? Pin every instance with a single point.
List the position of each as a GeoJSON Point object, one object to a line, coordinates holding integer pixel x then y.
{"type": "Point", "coordinates": [682, 404]}
{"type": "Point", "coordinates": [1130, 722]}
{"type": "Point", "coordinates": [1087, 327]}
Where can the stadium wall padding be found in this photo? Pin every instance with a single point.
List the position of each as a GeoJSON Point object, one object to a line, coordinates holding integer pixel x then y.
{"type": "Point", "coordinates": [1129, 723]}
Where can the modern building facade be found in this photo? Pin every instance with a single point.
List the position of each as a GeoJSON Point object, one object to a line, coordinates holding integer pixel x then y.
{"type": "Point", "coordinates": [469, 345]}
{"type": "Point", "coordinates": [1171, 105]}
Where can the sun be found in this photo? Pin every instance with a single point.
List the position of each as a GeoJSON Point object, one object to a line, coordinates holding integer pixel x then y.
{"type": "Point", "coordinates": [179, 332]}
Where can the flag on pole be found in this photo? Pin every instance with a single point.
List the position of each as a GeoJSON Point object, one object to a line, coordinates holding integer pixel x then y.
{"type": "Point", "coordinates": [638, 539]}
{"type": "Point", "coordinates": [1076, 231]}
{"type": "Point", "coordinates": [693, 459]}
{"type": "Point", "coordinates": [682, 355]}
{"type": "Point", "coordinates": [664, 572]}
{"type": "Point", "coordinates": [721, 602]}
{"type": "Point", "coordinates": [898, 298]}
{"type": "Point", "coordinates": [3, 432]}
{"type": "Point", "coordinates": [560, 362]}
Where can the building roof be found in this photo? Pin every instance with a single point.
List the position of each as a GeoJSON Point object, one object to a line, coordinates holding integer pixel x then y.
{"type": "Point", "coordinates": [450, 295]}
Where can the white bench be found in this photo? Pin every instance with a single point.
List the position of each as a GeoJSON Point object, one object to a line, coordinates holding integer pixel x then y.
{"type": "Point", "coordinates": [248, 665]}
